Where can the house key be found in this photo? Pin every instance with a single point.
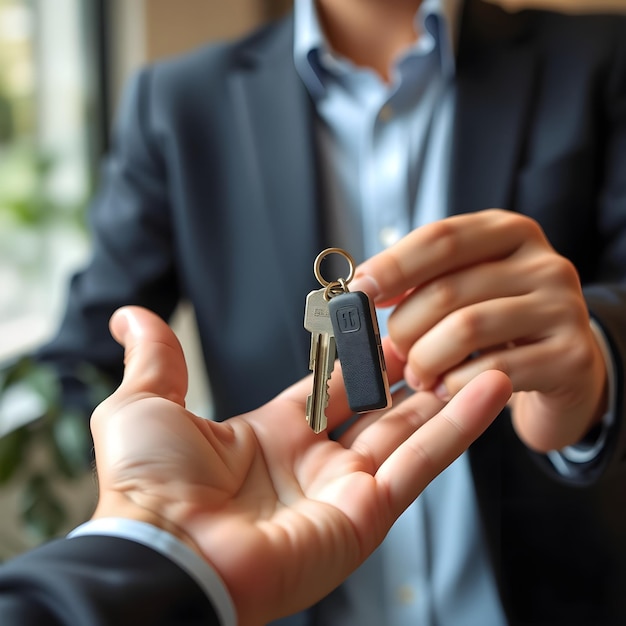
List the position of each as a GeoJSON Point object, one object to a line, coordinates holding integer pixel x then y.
{"type": "Point", "coordinates": [321, 358]}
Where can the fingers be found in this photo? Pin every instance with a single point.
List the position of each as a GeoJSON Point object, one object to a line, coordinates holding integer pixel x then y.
{"type": "Point", "coordinates": [377, 434]}
{"type": "Point", "coordinates": [481, 327]}
{"type": "Point", "coordinates": [443, 438]}
{"type": "Point", "coordinates": [428, 306]}
{"type": "Point", "coordinates": [154, 363]}
{"type": "Point", "coordinates": [438, 248]}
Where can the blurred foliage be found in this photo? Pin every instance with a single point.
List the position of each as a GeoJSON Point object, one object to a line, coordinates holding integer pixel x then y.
{"type": "Point", "coordinates": [25, 196]}
{"type": "Point", "coordinates": [7, 124]}
{"type": "Point", "coordinates": [53, 446]}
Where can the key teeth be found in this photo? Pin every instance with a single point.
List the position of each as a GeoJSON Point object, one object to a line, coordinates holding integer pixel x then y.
{"type": "Point", "coordinates": [317, 425]}
{"type": "Point", "coordinates": [321, 362]}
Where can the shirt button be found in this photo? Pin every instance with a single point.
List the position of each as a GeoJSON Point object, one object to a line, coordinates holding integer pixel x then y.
{"type": "Point", "coordinates": [405, 595]}
{"type": "Point", "coordinates": [389, 235]}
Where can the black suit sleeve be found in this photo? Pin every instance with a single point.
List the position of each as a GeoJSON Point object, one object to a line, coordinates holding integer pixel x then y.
{"type": "Point", "coordinates": [96, 580]}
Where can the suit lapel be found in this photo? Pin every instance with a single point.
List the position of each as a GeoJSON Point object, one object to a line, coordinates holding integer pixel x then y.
{"type": "Point", "coordinates": [494, 89]}
{"type": "Point", "coordinates": [276, 135]}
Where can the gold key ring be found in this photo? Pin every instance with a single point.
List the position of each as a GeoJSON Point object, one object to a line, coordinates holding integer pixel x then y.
{"type": "Point", "coordinates": [322, 255]}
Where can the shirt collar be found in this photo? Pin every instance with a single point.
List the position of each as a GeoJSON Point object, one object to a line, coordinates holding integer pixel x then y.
{"type": "Point", "coordinates": [310, 45]}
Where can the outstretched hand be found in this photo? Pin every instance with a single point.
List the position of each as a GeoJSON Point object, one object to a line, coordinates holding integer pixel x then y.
{"type": "Point", "coordinates": [283, 514]}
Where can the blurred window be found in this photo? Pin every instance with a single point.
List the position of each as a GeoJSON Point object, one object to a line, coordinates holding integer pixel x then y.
{"type": "Point", "coordinates": [51, 120]}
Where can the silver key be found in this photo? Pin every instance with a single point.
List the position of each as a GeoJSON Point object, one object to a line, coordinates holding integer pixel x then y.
{"type": "Point", "coordinates": [321, 359]}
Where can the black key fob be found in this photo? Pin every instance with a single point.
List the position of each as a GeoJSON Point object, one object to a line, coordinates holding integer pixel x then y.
{"type": "Point", "coordinates": [360, 351]}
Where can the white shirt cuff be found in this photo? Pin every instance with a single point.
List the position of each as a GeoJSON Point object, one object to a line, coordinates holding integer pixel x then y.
{"type": "Point", "coordinates": [584, 453]}
{"type": "Point", "coordinates": [175, 550]}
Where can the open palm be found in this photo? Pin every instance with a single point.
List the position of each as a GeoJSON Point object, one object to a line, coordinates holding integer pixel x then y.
{"type": "Point", "coordinates": [283, 514]}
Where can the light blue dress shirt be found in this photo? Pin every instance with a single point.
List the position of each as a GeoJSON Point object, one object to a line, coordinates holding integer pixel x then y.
{"type": "Point", "coordinates": [384, 153]}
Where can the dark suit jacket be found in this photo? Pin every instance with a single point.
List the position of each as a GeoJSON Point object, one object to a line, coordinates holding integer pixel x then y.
{"type": "Point", "coordinates": [86, 581]}
{"type": "Point", "coordinates": [211, 194]}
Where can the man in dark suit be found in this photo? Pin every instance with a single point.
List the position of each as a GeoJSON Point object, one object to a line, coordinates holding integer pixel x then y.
{"type": "Point", "coordinates": [201, 522]}
{"type": "Point", "coordinates": [232, 167]}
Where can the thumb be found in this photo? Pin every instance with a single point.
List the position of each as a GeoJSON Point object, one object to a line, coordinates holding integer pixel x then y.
{"type": "Point", "coordinates": [154, 363]}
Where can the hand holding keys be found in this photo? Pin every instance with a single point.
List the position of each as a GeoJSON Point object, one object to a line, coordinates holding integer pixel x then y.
{"type": "Point", "coordinates": [343, 323]}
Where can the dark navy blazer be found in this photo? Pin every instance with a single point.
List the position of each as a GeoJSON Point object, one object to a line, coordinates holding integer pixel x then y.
{"type": "Point", "coordinates": [97, 580]}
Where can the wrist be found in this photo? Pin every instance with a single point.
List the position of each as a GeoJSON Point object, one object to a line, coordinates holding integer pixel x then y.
{"type": "Point", "coordinates": [124, 506]}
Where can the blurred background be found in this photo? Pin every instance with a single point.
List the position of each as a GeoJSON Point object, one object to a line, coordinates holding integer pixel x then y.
{"type": "Point", "coordinates": [63, 64]}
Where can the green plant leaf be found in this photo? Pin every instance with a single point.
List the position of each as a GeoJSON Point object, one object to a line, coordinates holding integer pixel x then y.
{"type": "Point", "coordinates": [42, 510]}
{"type": "Point", "coordinates": [43, 380]}
{"type": "Point", "coordinates": [13, 450]}
{"type": "Point", "coordinates": [15, 371]}
{"type": "Point", "coordinates": [71, 443]}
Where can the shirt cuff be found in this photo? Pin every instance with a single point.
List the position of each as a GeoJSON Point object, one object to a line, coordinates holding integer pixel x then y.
{"type": "Point", "coordinates": [176, 551]}
{"type": "Point", "coordinates": [587, 451]}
